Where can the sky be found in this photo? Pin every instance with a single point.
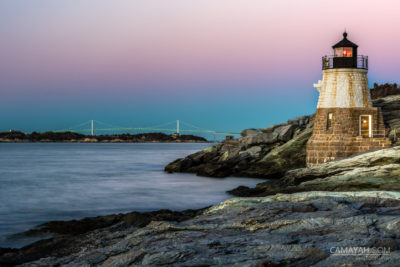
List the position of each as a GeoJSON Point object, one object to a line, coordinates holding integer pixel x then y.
{"type": "Point", "coordinates": [218, 64]}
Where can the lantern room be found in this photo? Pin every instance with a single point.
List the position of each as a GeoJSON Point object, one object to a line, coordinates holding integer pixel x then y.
{"type": "Point", "coordinates": [345, 53]}
{"type": "Point", "coordinates": [345, 56]}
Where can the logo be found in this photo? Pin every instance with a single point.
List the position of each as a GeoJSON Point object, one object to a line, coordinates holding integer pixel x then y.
{"type": "Point", "coordinates": [359, 251]}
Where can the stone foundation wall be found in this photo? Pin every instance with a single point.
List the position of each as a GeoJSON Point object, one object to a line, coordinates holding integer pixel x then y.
{"type": "Point", "coordinates": [326, 147]}
{"type": "Point", "coordinates": [343, 139]}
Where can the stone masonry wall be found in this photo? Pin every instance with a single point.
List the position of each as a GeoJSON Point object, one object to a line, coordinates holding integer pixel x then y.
{"type": "Point", "coordinates": [347, 121]}
{"type": "Point", "coordinates": [342, 139]}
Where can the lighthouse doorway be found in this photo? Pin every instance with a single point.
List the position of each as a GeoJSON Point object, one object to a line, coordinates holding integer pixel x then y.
{"type": "Point", "coordinates": [365, 126]}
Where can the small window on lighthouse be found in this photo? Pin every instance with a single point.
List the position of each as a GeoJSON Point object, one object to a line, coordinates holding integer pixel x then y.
{"type": "Point", "coordinates": [329, 121]}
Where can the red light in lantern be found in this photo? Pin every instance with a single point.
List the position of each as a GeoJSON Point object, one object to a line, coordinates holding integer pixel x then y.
{"type": "Point", "coordinates": [345, 52]}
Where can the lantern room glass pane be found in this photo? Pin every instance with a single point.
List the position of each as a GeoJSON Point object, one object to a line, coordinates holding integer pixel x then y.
{"type": "Point", "coordinates": [339, 52]}
{"type": "Point", "coordinates": [347, 51]}
{"type": "Point", "coordinates": [344, 52]}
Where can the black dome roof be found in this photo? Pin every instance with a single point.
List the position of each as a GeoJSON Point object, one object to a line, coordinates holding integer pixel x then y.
{"type": "Point", "coordinates": [345, 42]}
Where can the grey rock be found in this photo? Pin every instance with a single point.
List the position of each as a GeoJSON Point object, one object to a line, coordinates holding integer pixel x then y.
{"type": "Point", "coordinates": [264, 138]}
{"type": "Point", "coordinates": [268, 138]}
{"type": "Point", "coordinates": [376, 170]}
{"type": "Point", "coordinates": [286, 132]}
{"type": "Point", "coordinates": [301, 229]}
{"type": "Point", "coordinates": [300, 121]}
{"type": "Point", "coordinates": [253, 151]}
{"type": "Point", "coordinates": [270, 129]}
{"type": "Point", "coordinates": [249, 132]}
{"type": "Point", "coordinates": [231, 157]}
{"type": "Point", "coordinates": [280, 159]}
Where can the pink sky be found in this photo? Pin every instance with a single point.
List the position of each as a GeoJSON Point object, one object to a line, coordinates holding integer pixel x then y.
{"type": "Point", "coordinates": [130, 41]}
{"type": "Point", "coordinates": [170, 46]}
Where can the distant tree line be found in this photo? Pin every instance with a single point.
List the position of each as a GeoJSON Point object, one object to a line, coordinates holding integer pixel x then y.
{"type": "Point", "coordinates": [17, 136]}
{"type": "Point", "coordinates": [382, 90]}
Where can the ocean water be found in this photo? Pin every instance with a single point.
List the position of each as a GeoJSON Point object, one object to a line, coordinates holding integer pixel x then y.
{"type": "Point", "coordinates": [40, 182]}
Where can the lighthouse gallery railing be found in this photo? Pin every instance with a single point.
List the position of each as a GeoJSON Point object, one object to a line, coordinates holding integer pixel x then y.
{"type": "Point", "coordinates": [327, 62]}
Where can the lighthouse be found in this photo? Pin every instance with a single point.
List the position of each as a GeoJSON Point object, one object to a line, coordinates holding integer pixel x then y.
{"type": "Point", "coordinates": [345, 123]}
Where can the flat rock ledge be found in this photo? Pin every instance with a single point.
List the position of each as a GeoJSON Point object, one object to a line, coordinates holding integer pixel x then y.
{"type": "Point", "coordinates": [375, 170]}
{"type": "Point", "coordinates": [301, 229]}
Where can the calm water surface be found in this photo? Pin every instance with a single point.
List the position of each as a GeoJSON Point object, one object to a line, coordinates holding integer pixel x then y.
{"type": "Point", "coordinates": [40, 182]}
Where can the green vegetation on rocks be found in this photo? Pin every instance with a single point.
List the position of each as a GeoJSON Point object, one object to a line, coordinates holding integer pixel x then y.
{"type": "Point", "coordinates": [264, 153]}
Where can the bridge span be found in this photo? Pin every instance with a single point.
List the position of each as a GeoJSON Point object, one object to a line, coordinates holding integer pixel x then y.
{"type": "Point", "coordinates": [93, 127]}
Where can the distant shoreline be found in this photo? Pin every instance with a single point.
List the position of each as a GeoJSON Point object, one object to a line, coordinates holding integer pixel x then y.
{"type": "Point", "coordinates": [71, 137]}
{"type": "Point", "coordinates": [99, 142]}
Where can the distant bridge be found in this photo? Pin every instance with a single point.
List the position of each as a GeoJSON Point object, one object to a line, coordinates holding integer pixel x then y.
{"type": "Point", "coordinates": [94, 126]}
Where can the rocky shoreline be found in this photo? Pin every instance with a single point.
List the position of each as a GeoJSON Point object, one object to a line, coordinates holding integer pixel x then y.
{"type": "Point", "coordinates": [71, 137]}
{"type": "Point", "coordinates": [63, 238]}
{"type": "Point", "coordinates": [278, 154]}
{"type": "Point", "coordinates": [272, 151]}
{"type": "Point", "coordinates": [301, 229]}
{"type": "Point", "coordinates": [262, 153]}
{"type": "Point", "coordinates": [298, 217]}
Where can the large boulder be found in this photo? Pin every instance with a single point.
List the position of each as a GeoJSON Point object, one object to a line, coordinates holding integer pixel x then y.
{"type": "Point", "coordinates": [285, 133]}
{"type": "Point", "coordinates": [285, 157]}
{"type": "Point", "coordinates": [263, 138]}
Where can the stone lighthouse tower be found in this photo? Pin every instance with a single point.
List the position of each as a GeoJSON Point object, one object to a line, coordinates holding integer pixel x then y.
{"type": "Point", "coordinates": [345, 121]}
